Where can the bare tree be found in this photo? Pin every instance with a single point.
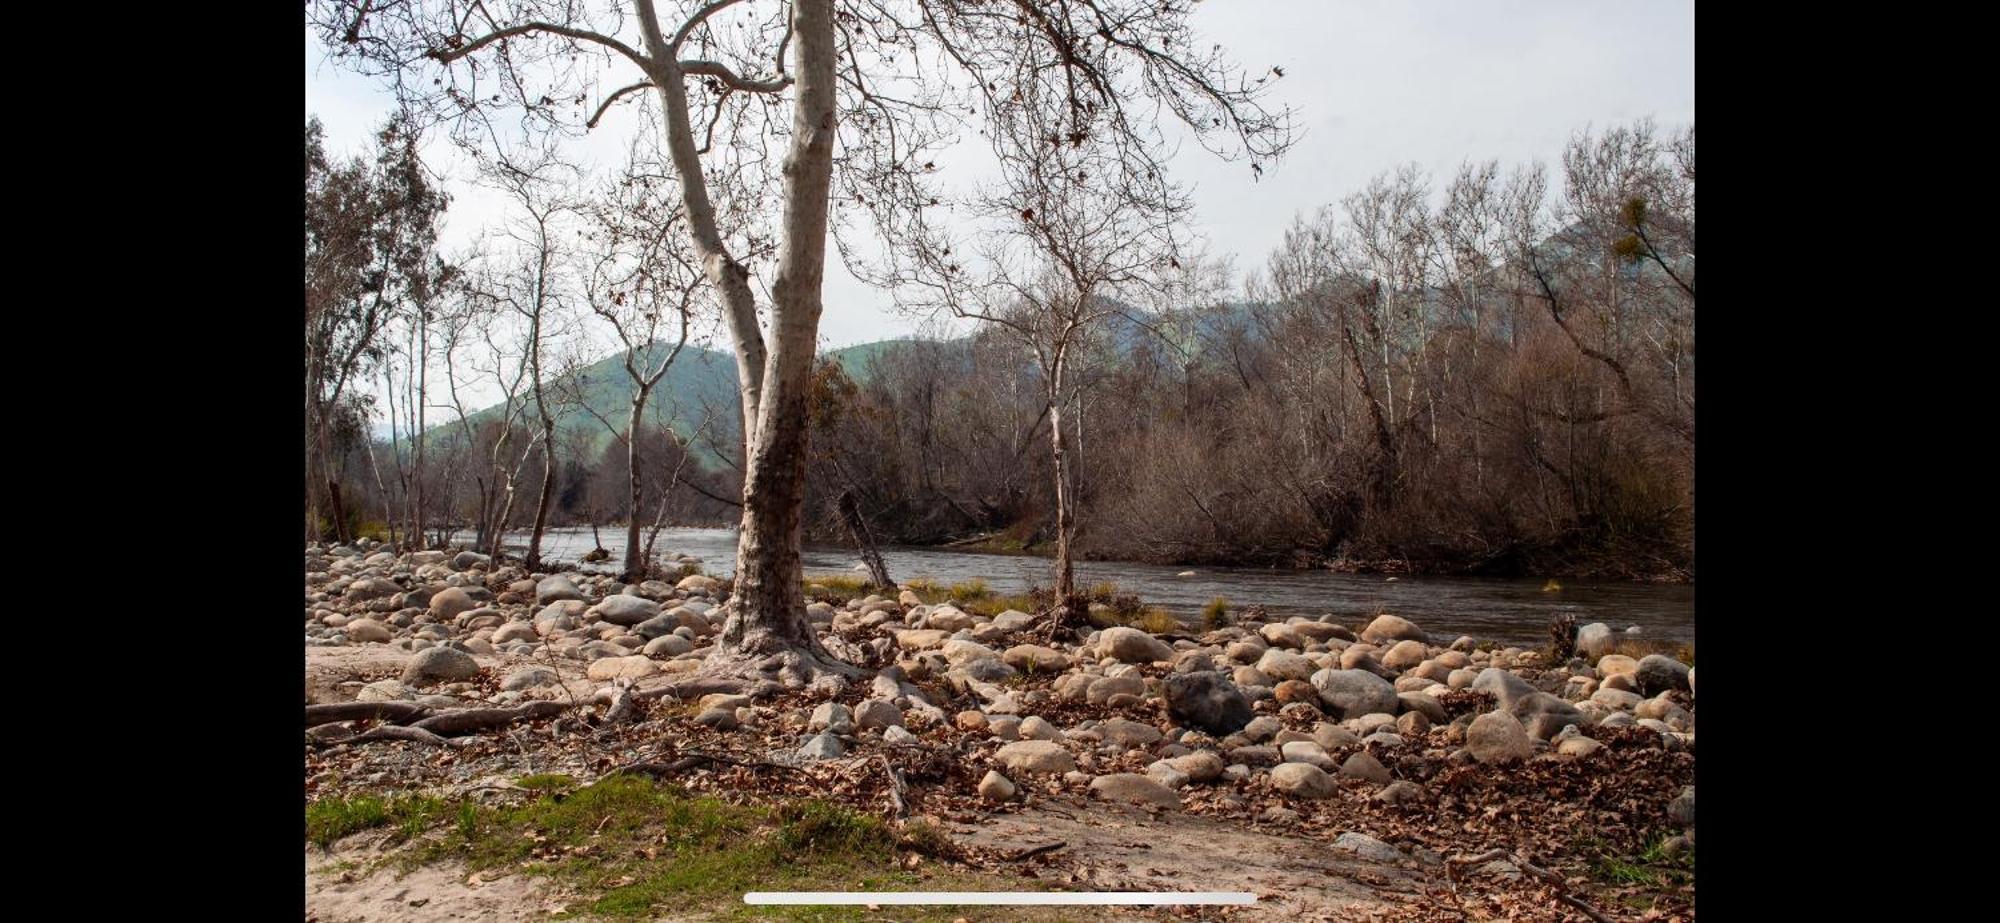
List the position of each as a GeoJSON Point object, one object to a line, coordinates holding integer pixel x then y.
{"type": "Point", "coordinates": [535, 287]}
{"type": "Point", "coordinates": [643, 284]}
{"type": "Point", "coordinates": [370, 233]}
{"type": "Point", "coordinates": [890, 80]}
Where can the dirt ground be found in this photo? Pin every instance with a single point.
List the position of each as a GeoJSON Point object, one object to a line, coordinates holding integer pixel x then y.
{"type": "Point", "coordinates": [1105, 848]}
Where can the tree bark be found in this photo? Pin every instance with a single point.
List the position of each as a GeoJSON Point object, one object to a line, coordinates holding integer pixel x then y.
{"type": "Point", "coordinates": [857, 528]}
{"type": "Point", "coordinates": [767, 622]}
{"type": "Point", "coordinates": [1065, 572]}
{"type": "Point", "coordinates": [634, 555]}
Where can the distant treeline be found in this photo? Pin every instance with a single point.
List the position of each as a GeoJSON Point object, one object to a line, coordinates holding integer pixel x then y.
{"type": "Point", "coordinates": [1491, 377]}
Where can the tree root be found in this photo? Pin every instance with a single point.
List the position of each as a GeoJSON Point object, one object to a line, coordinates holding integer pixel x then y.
{"type": "Point", "coordinates": [392, 712]}
{"type": "Point", "coordinates": [468, 720]}
{"type": "Point", "coordinates": [410, 734]}
{"type": "Point", "coordinates": [760, 676]}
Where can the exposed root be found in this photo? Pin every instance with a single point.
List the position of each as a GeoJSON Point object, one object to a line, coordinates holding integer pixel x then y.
{"type": "Point", "coordinates": [392, 712]}
{"type": "Point", "coordinates": [778, 669]}
{"type": "Point", "coordinates": [466, 721]}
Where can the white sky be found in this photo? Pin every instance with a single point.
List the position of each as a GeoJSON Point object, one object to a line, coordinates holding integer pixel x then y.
{"type": "Point", "coordinates": [1374, 84]}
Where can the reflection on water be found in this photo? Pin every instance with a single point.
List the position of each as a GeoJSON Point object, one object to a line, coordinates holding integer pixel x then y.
{"type": "Point", "coordinates": [1513, 611]}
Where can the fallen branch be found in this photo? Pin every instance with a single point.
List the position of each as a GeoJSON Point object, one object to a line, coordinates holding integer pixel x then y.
{"type": "Point", "coordinates": [465, 721]}
{"type": "Point", "coordinates": [409, 734]}
{"type": "Point", "coordinates": [1524, 865]}
{"type": "Point", "coordinates": [1033, 852]}
{"type": "Point", "coordinates": [393, 712]}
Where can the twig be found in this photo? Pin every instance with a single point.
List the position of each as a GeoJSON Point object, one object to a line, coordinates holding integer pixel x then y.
{"type": "Point", "coordinates": [1033, 851]}
{"type": "Point", "coordinates": [895, 786]}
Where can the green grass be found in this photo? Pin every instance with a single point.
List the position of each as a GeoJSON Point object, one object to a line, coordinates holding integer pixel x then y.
{"type": "Point", "coordinates": [631, 847]}
{"type": "Point", "coordinates": [973, 596]}
{"type": "Point", "coordinates": [1652, 867]}
{"type": "Point", "coordinates": [549, 781]}
{"type": "Point", "coordinates": [971, 590]}
{"type": "Point", "coordinates": [837, 586]}
{"type": "Point", "coordinates": [330, 819]}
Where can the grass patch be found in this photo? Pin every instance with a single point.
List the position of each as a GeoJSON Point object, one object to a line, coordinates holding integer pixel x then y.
{"type": "Point", "coordinates": [970, 590]}
{"type": "Point", "coordinates": [547, 781]}
{"type": "Point", "coordinates": [330, 819]}
{"type": "Point", "coordinates": [640, 848]}
{"type": "Point", "coordinates": [1637, 648]}
{"type": "Point", "coordinates": [1652, 867]}
{"type": "Point", "coordinates": [836, 587]}
{"type": "Point", "coordinates": [1215, 615]}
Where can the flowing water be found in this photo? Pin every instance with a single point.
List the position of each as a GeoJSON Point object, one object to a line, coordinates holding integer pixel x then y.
{"type": "Point", "coordinates": [1512, 611]}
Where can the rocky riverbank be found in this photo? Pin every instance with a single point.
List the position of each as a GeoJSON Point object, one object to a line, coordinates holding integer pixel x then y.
{"type": "Point", "coordinates": [1451, 778]}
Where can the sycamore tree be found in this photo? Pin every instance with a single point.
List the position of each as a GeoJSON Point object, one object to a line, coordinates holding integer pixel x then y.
{"type": "Point", "coordinates": [772, 114]}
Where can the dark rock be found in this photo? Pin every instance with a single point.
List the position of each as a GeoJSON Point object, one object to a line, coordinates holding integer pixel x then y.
{"type": "Point", "coordinates": [1207, 700]}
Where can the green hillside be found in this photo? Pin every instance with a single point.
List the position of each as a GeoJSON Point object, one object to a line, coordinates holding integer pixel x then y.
{"type": "Point", "coordinates": [700, 386]}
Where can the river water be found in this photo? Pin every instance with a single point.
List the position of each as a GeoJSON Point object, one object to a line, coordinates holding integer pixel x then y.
{"type": "Point", "coordinates": [1511, 611]}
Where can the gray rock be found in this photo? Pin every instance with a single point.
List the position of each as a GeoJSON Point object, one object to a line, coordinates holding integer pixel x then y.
{"type": "Point", "coordinates": [1362, 765]}
{"type": "Point", "coordinates": [1200, 766]}
{"type": "Point", "coordinates": [1303, 780]}
{"type": "Point", "coordinates": [1659, 673]}
{"type": "Point", "coordinates": [1505, 687]}
{"type": "Point", "coordinates": [1035, 756]}
{"type": "Point", "coordinates": [721, 719]}
{"type": "Point", "coordinates": [387, 690]}
{"type": "Point", "coordinates": [528, 678]}
{"type": "Point", "coordinates": [1130, 645]}
{"type": "Point", "coordinates": [832, 716]}
{"type": "Point", "coordinates": [1133, 787]}
{"type": "Point", "coordinates": [365, 630]}
{"type": "Point", "coordinates": [447, 603]}
{"type": "Point", "coordinates": [1392, 628]}
{"type": "Point", "coordinates": [1262, 728]}
{"type": "Point", "coordinates": [1367, 847]}
{"type": "Point", "coordinates": [1498, 738]}
{"type": "Point", "coordinates": [1681, 811]}
{"type": "Point", "coordinates": [624, 609]}
{"type": "Point", "coordinates": [1353, 693]}
{"type": "Point", "coordinates": [1207, 700]}
{"type": "Point", "coordinates": [997, 788]}
{"type": "Point", "coordinates": [439, 663]}
{"type": "Point", "coordinates": [877, 714]}
{"type": "Point", "coordinates": [556, 589]}
{"type": "Point", "coordinates": [1401, 792]}
{"type": "Point", "coordinates": [1128, 735]}
{"type": "Point", "coordinates": [821, 746]}
{"type": "Point", "coordinates": [1595, 640]}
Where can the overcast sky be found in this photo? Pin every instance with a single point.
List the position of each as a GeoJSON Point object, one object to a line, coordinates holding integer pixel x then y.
{"type": "Point", "coordinates": [1374, 84]}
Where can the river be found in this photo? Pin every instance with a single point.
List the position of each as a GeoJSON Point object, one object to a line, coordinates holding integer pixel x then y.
{"type": "Point", "coordinates": [1511, 611]}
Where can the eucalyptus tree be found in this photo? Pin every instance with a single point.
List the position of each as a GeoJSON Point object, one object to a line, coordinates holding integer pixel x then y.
{"type": "Point", "coordinates": [370, 236]}
{"type": "Point", "coordinates": [874, 87]}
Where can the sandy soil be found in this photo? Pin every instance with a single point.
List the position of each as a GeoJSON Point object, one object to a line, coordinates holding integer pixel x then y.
{"type": "Point", "coordinates": [1120, 848]}
{"type": "Point", "coordinates": [339, 893]}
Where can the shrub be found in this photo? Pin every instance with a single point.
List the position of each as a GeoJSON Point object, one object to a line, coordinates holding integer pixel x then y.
{"type": "Point", "coordinates": [1216, 614]}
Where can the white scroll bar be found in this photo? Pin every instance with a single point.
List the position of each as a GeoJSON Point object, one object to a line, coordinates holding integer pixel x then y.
{"type": "Point", "coordinates": [1014, 898]}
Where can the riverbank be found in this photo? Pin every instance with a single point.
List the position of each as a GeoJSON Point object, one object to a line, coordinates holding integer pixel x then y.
{"type": "Point", "coordinates": [1338, 768]}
